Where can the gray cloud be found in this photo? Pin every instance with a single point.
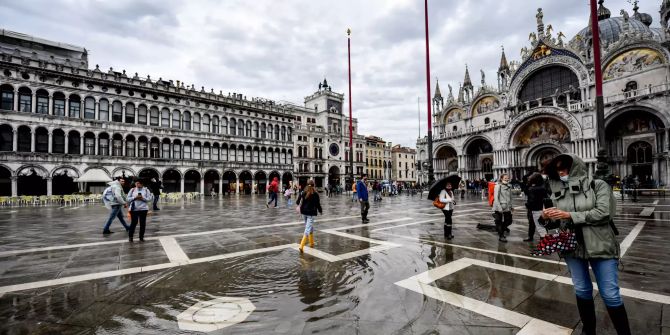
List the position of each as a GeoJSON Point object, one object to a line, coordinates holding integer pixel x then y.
{"type": "Point", "coordinates": [282, 49]}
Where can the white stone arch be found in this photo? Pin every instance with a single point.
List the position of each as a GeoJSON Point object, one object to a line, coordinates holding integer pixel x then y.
{"type": "Point", "coordinates": [12, 172]}
{"type": "Point", "coordinates": [613, 53]}
{"type": "Point", "coordinates": [559, 114]}
{"type": "Point", "coordinates": [68, 168]}
{"type": "Point", "coordinates": [97, 167]}
{"type": "Point", "coordinates": [529, 153]}
{"type": "Point", "coordinates": [119, 171]}
{"type": "Point", "coordinates": [654, 110]}
{"type": "Point", "coordinates": [520, 77]}
{"type": "Point", "coordinates": [26, 170]}
{"type": "Point", "coordinates": [473, 138]}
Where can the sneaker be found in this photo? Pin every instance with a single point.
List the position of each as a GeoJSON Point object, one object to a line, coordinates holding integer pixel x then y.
{"type": "Point", "coordinates": [105, 232]}
{"type": "Point", "coordinates": [502, 239]}
{"type": "Point", "coordinates": [450, 237]}
{"type": "Point", "coordinates": [530, 239]}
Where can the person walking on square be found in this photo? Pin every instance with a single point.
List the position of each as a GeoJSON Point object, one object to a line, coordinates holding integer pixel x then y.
{"type": "Point", "coordinates": [155, 186]}
{"type": "Point", "coordinates": [139, 199]}
{"type": "Point", "coordinates": [447, 198]}
{"type": "Point", "coordinates": [309, 206]}
{"type": "Point", "coordinates": [362, 189]}
{"type": "Point", "coordinates": [461, 187]}
{"type": "Point", "coordinates": [535, 195]}
{"type": "Point", "coordinates": [273, 189]}
{"type": "Point", "coordinates": [114, 201]}
{"type": "Point", "coordinates": [353, 191]}
{"type": "Point", "coordinates": [587, 208]}
{"type": "Point", "coordinates": [502, 206]}
{"type": "Point", "coordinates": [287, 194]}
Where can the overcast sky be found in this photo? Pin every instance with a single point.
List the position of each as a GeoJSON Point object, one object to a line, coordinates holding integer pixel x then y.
{"type": "Point", "coordinates": [281, 50]}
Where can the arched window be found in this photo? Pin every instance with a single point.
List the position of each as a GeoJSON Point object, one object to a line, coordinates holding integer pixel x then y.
{"type": "Point", "coordinates": [165, 118]}
{"type": "Point", "coordinates": [215, 125]}
{"type": "Point", "coordinates": [142, 115]}
{"type": "Point", "coordinates": [263, 130]}
{"type": "Point", "coordinates": [186, 121]}
{"type": "Point", "coordinates": [187, 149]}
{"type": "Point", "coordinates": [75, 106]}
{"type": "Point", "coordinates": [130, 113]}
{"type": "Point", "coordinates": [270, 131]}
{"type": "Point", "coordinates": [58, 144]}
{"type": "Point", "coordinates": [7, 97]}
{"type": "Point", "coordinates": [454, 128]}
{"type": "Point", "coordinates": [154, 116]}
{"type": "Point", "coordinates": [103, 144]}
{"type": "Point", "coordinates": [283, 133]}
{"type": "Point", "coordinates": [205, 123]}
{"type": "Point", "coordinates": [74, 143]}
{"type": "Point", "coordinates": [640, 153]}
{"type": "Point", "coordinates": [42, 102]}
{"type": "Point", "coordinates": [130, 145]}
{"type": "Point", "coordinates": [206, 151]}
{"type": "Point", "coordinates": [196, 121]}
{"type": "Point", "coordinates": [630, 86]}
{"type": "Point", "coordinates": [165, 148]}
{"type": "Point", "coordinates": [487, 121]}
{"type": "Point", "coordinates": [215, 152]}
{"type": "Point", "coordinates": [24, 139]}
{"type": "Point", "coordinates": [176, 149]}
{"type": "Point", "coordinates": [117, 111]}
{"type": "Point", "coordinates": [25, 100]}
{"type": "Point", "coordinates": [41, 140]}
{"type": "Point", "coordinates": [59, 104]}
{"type": "Point", "coordinates": [103, 110]}
{"type": "Point", "coordinates": [6, 138]}
{"type": "Point", "coordinates": [224, 125]}
{"type": "Point", "coordinates": [89, 108]}
{"type": "Point", "coordinates": [117, 145]}
{"type": "Point", "coordinates": [142, 147]}
{"type": "Point", "coordinates": [233, 127]}
{"type": "Point", "coordinates": [196, 150]}
{"type": "Point", "coordinates": [176, 119]}
{"type": "Point", "coordinates": [247, 129]}
{"type": "Point", "coordinates": [240, 127]}
{"type": "Point", "coordinates": [546, 82]}
{"type": "Point", "coordinates": [89, 143]}
{"type": "Point", "coordinates": [255, 129]}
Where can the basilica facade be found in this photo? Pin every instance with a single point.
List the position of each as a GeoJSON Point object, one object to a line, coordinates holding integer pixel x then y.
{"type": "Point", "coordinates": [543, 105]}
{"type": "Point", "coordinates": [66, 127]}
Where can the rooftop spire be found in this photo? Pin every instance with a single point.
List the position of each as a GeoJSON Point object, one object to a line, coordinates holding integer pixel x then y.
{"type": "Point", "coordinates": [466, 81]}
{"type": "Point", "coordinates": [504, 65]}
{"type": "Point", "coordinates": [438, 94]}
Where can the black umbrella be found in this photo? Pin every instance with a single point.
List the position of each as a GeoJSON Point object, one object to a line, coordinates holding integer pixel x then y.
{"type": "Point", "coordinates": [439, 185]}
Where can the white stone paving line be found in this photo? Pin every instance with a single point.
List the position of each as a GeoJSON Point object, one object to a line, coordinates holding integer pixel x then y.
{"type": "Point", "coordinates": [69, 246]}
{"type": "Point", "coordinates": [173, 251]}
{"type": "Point", "coordinates": [415, 223]}
{"type": "Point", "coordinates": [647, 211]}
{"type": "Point", "coordinates": [528, 325]}
{"type": "Point", "coordinates": [630, 238]}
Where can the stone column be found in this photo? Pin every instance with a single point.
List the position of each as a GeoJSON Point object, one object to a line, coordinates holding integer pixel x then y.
{"type": "Point", "coordinates": [51, 106]}
{"type": "Point", "coordinates": [97, 110]}
{"type": "Point", "coordinates": [14, 185]}
{"type": "Point", "coordinates": [221, 185]}
{"type": "Point", "coordinates": [181, 189]}
{"type": "Point", "coordinates": [95, 150]}
{"type": "Point", "coordinates": [81, 145]}
{"type": "Point", "coordinates": [15, 140]}
{"type": "Point", "coordinates": [32, 140]}
{"type": "Point", "coordinates": [237, 185]}
{"type": "Point", "coordinates": [33, 103]}
{"type": "Point", "coordinates": [123, 148]}
{"type": "Point", "coordinates": [50, 147]}
{"type": "Point", "coordinates": [67, 144]}
{"type": "Point", "coordinates": [67, 107]}
{"type": "Point", "coordinates": [123, 114]}
{"type": "Point", "coordinates": [16, 100]}
{"type": "Point", "coordinates": [202, 185]}
{"type": "Point", "coordinates": [49, 186]}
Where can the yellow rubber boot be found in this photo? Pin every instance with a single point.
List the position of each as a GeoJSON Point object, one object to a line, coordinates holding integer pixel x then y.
{"type": "Point", "coordinates": [302, 243]}
{"type": "Point", "coordinates": [311, 240]}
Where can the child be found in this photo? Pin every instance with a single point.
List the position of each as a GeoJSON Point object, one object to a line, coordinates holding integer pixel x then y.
{"type": "Point", "coordinates": [287, 194]}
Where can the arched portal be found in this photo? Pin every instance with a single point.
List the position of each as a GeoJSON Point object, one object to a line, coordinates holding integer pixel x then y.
{"type": "Point", "coordinates": [334, 176]}
{"type": "Point", "coordinates": [245, 180]}
{"type": "Point", "coordinates": [287, 180]}
{"type": "Point", "coordinates": [148, 174]}
{"type": "Point", "coordinates": [31, 181]}
{"type": "Point", "coordinates": [212, 182]}
{"type": "Point", "coordinates": [5, 182]}
{"type": "Point", "coordinates": [229, 181]}
{"type": "Point", "coordinates": [63, 181]}
{"type": "Point", "coordinates": [171, 181]}
{"type": "Point", "coordinates": [446, 160]}
{"type": "Point", "coordinates": [476, 152]}
{"type": "Point", "coordinates": [634, 138]}
{"type": "Point", "coordinates": [192, 181]}
{"type": "Point", "coordinates": [261, 182]}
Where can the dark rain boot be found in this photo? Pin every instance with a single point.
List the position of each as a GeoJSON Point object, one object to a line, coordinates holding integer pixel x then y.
{"type": "Point", "coordinates": [587, 312]}
{"type": "Point", "coordinates": [619, 319]}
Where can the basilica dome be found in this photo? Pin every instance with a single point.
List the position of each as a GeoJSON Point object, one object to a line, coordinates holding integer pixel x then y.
{"type": "Point", "coordinates": [611, 30]}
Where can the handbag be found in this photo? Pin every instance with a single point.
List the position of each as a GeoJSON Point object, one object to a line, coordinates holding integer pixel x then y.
{"type": "Point", "coordinates": [437, 203]}
{"type": "Point", "coordinates": [562, 241]}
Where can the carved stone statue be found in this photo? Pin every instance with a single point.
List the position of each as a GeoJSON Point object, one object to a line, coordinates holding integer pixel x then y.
{"type": "Point", "coordinates": [483, 78]}
{"type": "Point", "coordinates": [539, 16]}
{"type": "Point", "coordinates": [524, 52]}
{"type": "Point", "coordinates": [450, 90]}
{"type": "Point", "coordinates": [550, 29]}
{"type": "Point", "coordinates": [560, 38]}
{"type": "Point", "coordinates": [532, 37]}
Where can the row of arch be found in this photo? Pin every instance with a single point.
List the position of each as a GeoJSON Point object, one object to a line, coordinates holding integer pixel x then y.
{"type": "Point", "coordinates": [35, 180]}
{"type": "Point", "coordinates": [90, 108]}
{"type": "Point", "coordinates": [25, 139]}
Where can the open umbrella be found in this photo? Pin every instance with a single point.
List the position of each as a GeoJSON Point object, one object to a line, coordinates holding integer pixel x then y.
{"type": "Point", "coordinates": [439, 185]}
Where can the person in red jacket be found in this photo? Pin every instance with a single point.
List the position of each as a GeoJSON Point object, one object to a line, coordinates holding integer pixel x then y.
{"type": "Point", "coordinates": [273, 189]}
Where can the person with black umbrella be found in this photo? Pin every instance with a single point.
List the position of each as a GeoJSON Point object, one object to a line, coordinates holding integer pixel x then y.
{"type": "Point", "coordinates": [447, 198]}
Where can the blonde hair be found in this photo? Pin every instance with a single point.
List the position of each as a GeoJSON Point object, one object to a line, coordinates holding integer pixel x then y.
{"type": "Point", "coordinates": [310, 189]}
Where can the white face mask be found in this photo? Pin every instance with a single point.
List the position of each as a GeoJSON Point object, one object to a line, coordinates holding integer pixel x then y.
{"type": "Point", "coordinates": [564, 178]}
{"type": "Point", "coordinates": [544, 176]}
{"type": "Point", "coordinates": [505, 182]}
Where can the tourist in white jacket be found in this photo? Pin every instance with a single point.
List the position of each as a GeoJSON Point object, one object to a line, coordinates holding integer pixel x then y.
{"type": "Point", "coordinates": [114, 201]}
{"type": "Point", "coordinates": [447, 198]}
{"type": "Point", "coordinates": [139, 199]}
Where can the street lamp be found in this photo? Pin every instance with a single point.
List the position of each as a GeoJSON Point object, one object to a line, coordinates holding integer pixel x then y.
{"type": "Point", "coordinates": [431, 178]}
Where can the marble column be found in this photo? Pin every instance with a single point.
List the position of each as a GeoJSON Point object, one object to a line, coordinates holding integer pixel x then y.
{"type": "Point", "coordinates": [16, 100]}
{"type": "Point", "coordinates": [14, 185]}
{"type": "Point", "coordinates": [49, 186]}
{"type": "Point", "coordinates": [51, 106]}
{"type": "Point", "coordinates": [181, 186]}
{"type": "Point", "coordinates": [50, 146]}
{"type": "Point", "coordinates": [67, 144]}
{"type": "Point", "coordinates": [32, 141]}
{"type": "Point", "coordinates": [95, 150]}
{"type": "Point", "coordinates": [15, 140]}
{"type": "Point", "coordinates": [221, 185]}
{"type": "Point", "coordinates": [202, 185]}
{"type": "Point", "coordinates": [67, 107]}
{"type": "Point", "coordinates": [237, 185]}
{"type": "Point", "coordinates": [97, 110]}
{"type": "Point", "coordinates": [33, 103]}
{"type": "Point", "coordinates": [81, 145]}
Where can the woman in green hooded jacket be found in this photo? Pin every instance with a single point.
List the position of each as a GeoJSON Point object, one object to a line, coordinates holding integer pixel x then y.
{"type": "Point", "coordinates": [587, 207]}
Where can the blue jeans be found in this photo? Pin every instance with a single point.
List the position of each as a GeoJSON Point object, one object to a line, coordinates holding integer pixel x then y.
{"type": "Point", "coordinates": [118, 213]}
{"type": "Point", "coordinates": [273, 197]}
{"type": "Point", "coordinates": [607, 277]}
{"type": "Point", "coordinates": [309, 224]}
{"type": "Point", "coordinates": [354, 197]}
{"type": "Point", "coordinates": [156, 197]}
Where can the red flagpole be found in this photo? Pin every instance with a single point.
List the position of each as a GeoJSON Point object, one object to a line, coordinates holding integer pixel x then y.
{"type": "Point", "coordinates": [351, 127]}
{"type": "Point", "coordinates": [431, 178]}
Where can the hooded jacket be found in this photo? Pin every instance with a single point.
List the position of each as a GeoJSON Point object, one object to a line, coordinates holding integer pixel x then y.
{"type": "Point", "coordinates": [591, 206]}
{"type": "Point", "coordinates": [274, 185]}
{"type": "Point", "coordinates": [117, 197]}
{"type": "Point", "coordinates": [502, 198]}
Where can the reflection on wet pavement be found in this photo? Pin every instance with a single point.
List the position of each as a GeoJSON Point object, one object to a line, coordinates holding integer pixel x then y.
{"type": "Point", "coordinates": [346, 284]}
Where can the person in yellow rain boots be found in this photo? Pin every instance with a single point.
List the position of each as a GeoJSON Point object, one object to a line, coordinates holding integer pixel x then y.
{"type": "Point", "coordinates": [310, 204]}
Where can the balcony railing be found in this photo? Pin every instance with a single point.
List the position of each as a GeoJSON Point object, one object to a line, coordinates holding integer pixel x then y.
{"type": "Point", "coordinates": [640, 92]}
{"type": "Point", "coordinates": [471, 130]}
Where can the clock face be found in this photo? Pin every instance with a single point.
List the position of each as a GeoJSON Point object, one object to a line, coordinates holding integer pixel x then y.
{"type": "Point", "coordinates": [334, 149]}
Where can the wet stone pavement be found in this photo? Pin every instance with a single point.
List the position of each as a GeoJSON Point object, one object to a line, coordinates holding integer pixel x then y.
{"type": "Point", "coordinates": [230, 266]}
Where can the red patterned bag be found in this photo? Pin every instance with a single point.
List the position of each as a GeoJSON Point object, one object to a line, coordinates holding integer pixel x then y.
{"type": "Point", "coordinates": [557, 242]}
